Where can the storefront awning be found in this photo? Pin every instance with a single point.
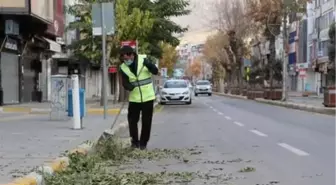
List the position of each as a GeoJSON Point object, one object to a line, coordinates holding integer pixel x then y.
{"type": "Point", "coordinates": [53, 46]}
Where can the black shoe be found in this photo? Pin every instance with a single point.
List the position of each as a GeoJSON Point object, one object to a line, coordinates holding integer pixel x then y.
{"type": "Point", "coordinates": [134, 145]}
{"type": "Point", "coordinates": [143, 147]}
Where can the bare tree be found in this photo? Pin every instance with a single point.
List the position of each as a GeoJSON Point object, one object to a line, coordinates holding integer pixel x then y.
{"type": "Point", "coordinates": [230, 18]}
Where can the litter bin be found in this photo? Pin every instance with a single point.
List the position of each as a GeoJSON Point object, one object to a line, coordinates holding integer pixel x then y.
{"type": "Point", "coordinates": [81, 102]}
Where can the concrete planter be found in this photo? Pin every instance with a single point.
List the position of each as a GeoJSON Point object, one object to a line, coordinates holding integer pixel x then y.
{"type": "Point", "coordinates": [274, 94]}
{"type": "Point", "coordinates": [329, 97]}
{"type": "Point", "coordinates": [255, 93]}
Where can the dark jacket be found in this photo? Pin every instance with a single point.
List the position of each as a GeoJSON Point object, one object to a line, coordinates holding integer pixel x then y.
{"type": "Point", "coordinates": [133, 68]}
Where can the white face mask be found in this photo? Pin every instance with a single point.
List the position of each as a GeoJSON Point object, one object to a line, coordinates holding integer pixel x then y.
{"type": "Point", "coordinates": [128, 62]}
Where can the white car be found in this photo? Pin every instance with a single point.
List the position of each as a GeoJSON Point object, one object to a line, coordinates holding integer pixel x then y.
{"type": "Point", "coordinates": [175, 91]}
{"type": "Point", "coordinates": [203, 87]}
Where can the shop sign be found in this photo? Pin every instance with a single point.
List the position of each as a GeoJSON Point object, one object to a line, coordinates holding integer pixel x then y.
{"type": "Point", "coordinates": [11, 44]}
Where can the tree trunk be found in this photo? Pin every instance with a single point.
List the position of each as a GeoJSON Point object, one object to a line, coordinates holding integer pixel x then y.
{"type": "Point", "coordinates": [271, 58]}
{"type": "Point", "coordinates": [239, 76]}
{"type": "Point", "coordinates": [221, 85]}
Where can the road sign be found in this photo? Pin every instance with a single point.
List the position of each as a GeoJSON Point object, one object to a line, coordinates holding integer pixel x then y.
{"type": "Point", "coordinates": [164, 72]}
{"type": "Point", "coordinates": [112, 69]}
{"type": "Point", "coordinates": [132, 43]}
{"type": "Point", "coordinates": [302, 73]}
{"type": "Point", "coordinates": [109, 18]}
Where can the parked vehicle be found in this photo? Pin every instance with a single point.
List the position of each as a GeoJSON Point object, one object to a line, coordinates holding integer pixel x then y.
{"type": "Point", "coordinates": [203, 87]}
{"type": "Point", "coordinates": [175, 91]}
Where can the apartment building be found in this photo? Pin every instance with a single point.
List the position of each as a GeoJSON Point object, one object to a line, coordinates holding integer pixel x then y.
{"type": "Point", "coordinates": [28, 33]}
{"type": "Point", "coordinates": [321, 13]}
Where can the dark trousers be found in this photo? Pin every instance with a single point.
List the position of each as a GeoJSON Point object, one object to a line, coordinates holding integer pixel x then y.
{"type": "Point", "coordinates": [134, 109]}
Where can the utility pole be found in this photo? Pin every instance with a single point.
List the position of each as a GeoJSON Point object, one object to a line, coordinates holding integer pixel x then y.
{"type": "Point", "coordinates": [284, 53]}
{"type": "Point", "coordinates": [104, 67]}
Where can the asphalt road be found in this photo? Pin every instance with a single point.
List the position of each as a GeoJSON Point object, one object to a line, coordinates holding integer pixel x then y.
{"type": "Point", "coordinates": [28, 140]}
{"type": "Point", "coordinates": [284, 146]}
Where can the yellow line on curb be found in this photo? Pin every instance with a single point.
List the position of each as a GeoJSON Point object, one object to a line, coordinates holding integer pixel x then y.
{"type": "Point", "coordinates": [58, 165]}
{"type": "Point", "coordinates": [16, 109]}
{"type": "Point", "coordinates": [25, 181]}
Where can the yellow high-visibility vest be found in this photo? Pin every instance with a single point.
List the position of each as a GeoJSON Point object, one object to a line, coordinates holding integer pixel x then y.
{"type": "Point", "coordinates": [144, 89]}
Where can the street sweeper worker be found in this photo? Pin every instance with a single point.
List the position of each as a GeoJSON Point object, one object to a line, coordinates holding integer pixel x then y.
{"type": "Point", "coordinates": [136, 75]}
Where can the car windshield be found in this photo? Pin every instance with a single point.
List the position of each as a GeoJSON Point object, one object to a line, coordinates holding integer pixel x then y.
{"type": "Point", "coordinates": [203, 83]}
{"type": "Point", "coordinates": [175, 84]}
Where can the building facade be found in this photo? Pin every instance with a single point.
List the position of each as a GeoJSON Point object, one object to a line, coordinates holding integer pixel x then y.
{"type": "Point", "coordinates": [322, 14]}
{"type": "Point", "coordinates": [28, 34]}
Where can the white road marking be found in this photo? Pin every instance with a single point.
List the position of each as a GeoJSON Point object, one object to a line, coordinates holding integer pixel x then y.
{"type": "Point", "coordinates": [293, 149]}
{"type": "Point", "coordinates": [228, 117]}
{"type": "Point", "coordinates": [258, 133]}
{"type": "Point", "coordinates": [238, 123]}
{"type": "Point", "coordinates": [211, 107]}
{"type": "Point", "coordinates": [220, 113]}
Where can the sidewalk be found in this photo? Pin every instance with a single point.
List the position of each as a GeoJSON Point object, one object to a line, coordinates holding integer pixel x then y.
{"type": "Point", "coordinates": [31, 141]}
{"type": "Point", "coordinates": [311, 103]}
{"type": "Point", "coordinates": [92, 107]}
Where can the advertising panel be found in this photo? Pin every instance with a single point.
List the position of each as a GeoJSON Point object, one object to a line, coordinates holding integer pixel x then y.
{"type": "Point", "coordinates": [43, 9]}
{"type": "Point", "coordinates": [57, 27]}
{"type": "Point", "coordinates": [14, 6]}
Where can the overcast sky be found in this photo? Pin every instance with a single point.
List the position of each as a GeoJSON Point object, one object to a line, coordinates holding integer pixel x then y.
{"type": "Point", "coordinates": [197, 21]}
{"type": "Point", "coordinates": [198, 18]}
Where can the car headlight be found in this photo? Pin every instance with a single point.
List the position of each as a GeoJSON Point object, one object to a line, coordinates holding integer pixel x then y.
{"type": "Point", "coordinates": [187, 92]}
{"type": "Point", "coordinates": [163, 93]}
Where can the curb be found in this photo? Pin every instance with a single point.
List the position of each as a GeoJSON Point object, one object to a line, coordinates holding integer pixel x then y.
{"type": "Point", "coordinates": [93, 111]}
{"type": "Point", "coordinates": [309, 108]}
{"type": "Point", "coordinates": [230, 95]}
{"type": "Point", "coordinates": [303, 107]}
{"type": "Point", "coordinates": [61, 163]}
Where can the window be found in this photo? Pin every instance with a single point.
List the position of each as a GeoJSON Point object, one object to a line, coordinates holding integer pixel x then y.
{"type": "Point", "coordinates": [317, 23]}
{"type": "Point", "coordinates": [323, 48]}
{"type": "Point", "coordinates": [325, 20]}
{"type": "Point", "coordinates": [203, 83]}
{"type": "Point", "coordinates": [311, 51]}
{"type": "Point", "coordinates": [175, 84]}
{"type": "Point", "coordinates": [331, 17]}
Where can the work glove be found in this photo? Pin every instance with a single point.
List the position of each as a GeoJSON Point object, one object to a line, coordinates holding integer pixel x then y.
{"type": "Point", "coordinates": [146, 63]}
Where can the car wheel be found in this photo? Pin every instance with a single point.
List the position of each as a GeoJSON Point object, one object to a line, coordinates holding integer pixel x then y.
{"type": "Point", "coordinates": [162, 103]}
{"type": "Point", "coordinates": [189, 102]}
{"type": "Point", "coordinates": [209, 94]}
{"type": "Point", "coordinates": [196, 94]}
